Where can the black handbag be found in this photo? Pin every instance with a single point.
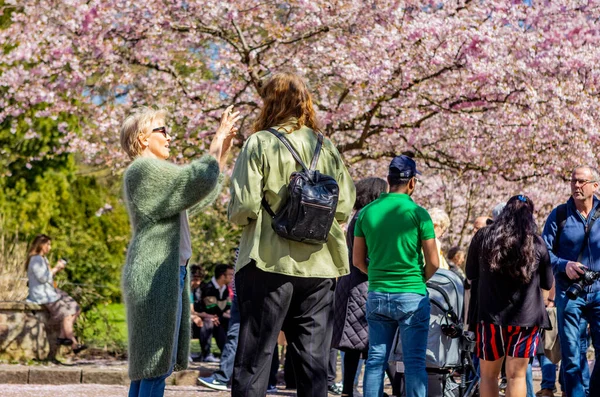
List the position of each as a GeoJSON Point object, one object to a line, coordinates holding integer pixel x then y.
{"type": "Point", "coordinates": [308, 213]}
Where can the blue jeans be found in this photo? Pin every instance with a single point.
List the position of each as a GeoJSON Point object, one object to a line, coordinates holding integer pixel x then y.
{"type": "Point", "coordinates": [385, 314]}
{"type": "Point", "coordinates": [571, 331]}
{"type": "Point", "coordinates": [223, 375]}
{"type": "Point", "coordinates": [155, 387]}
{"type": "Point", "coordinates": [529, 381]}
{"type": "Point", "coordinates": [548, 372]}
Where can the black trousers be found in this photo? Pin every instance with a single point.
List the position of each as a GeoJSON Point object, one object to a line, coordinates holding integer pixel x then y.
{"type": "Point", "coordinates": [288, 370]}
{"type": "Point", "coordinates": [332, 367]}
{"type": "Point", "coordinates": [351, 360]}
{"type": "Point", "coordinates": [303, 309]}
{"type": "Point", "coordinates": [274, 367]}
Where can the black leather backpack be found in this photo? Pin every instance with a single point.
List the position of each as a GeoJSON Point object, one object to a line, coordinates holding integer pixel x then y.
{"type": "Point", "coordinates": [308, 213]}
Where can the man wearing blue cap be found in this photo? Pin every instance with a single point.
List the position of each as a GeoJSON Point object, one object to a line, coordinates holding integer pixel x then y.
{"type": "Point", "coordinates": [397, 236]}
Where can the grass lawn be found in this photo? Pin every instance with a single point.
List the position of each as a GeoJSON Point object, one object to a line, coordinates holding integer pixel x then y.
{"type": "Point", "coordinates": [104, 327]}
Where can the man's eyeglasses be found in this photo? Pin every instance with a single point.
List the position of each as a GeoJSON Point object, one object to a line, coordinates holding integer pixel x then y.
{"type": "Point", "coordinates": [162, 130]}
{"type": "Point", "coordinates": [581, 182]}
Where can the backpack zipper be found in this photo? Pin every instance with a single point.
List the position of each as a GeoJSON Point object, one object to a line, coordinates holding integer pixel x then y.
{"type": "Point", "coordinates": [315, 205]}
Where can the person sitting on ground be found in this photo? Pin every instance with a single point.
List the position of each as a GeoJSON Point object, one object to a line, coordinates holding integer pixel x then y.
{"type": "Point", "coordinates": [214, 308]}
{"type": "Point", "coordinates": [196, 283]}
{"type": "Point", "coordinates": [40, 277]}
{"type": "Point", "coordinates": [221, 377]}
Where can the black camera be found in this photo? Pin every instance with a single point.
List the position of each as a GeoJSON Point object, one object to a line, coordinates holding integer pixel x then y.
{"type": "Point", "coordinates": [587, 278]}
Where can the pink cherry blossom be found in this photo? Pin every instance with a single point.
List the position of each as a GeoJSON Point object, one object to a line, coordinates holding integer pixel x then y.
{"type": "Point", "coordinates": [493, 97]}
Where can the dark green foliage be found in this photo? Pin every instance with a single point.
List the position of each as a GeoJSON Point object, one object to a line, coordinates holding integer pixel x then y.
{"type": "Point", "coordinates": [83, 214]}
{"type": "Point", "coordinates": [64, 206]}
{"type": "Point", "coordinates": [46, 190]}
{"type": "Point", "coordinates": [24, 158]}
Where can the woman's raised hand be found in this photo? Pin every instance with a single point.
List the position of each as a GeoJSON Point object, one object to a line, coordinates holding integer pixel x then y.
{"type": "Point", "coordinates": [221, 143]}
{"type": "Point", "coordinates": [227, 128]}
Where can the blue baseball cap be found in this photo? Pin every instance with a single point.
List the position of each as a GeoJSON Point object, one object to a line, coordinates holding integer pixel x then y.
{"type": "Point", "coordinates": [403, 167]}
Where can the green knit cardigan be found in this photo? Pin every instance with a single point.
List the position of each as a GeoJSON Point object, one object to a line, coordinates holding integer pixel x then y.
{"type": "Point", "coordinates": [156, 192]}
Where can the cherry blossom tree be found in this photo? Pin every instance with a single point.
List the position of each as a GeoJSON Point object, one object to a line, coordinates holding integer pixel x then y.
{"type": "Point", "coordinates": [494, 97]}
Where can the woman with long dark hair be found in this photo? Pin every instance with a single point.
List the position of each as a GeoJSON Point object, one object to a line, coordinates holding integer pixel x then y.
{"type": "Point", "coordinates": [512, 265]}
{"type": "Point", "coordinates": [40, 276]}
{"type": "Point", "coordinates": [350, 328]}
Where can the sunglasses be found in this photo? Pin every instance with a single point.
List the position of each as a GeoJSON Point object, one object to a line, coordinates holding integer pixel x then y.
{"type": "Point", "coordinates": [162, 130]}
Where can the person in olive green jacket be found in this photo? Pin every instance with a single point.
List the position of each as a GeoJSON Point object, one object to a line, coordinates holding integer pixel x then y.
{"type": "Point", "coordinates": [155, 287]}
{"type": "Point", "coordinates": [283, 284]}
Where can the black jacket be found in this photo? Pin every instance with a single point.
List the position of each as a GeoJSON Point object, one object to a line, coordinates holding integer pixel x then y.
{"type": "Point", "coordinates": [350, 328]}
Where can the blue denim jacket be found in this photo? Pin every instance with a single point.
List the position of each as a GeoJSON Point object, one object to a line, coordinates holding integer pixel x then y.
{"type": "Point", "coordinates": [571, 240]}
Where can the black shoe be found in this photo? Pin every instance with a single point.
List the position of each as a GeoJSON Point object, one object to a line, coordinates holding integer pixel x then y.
{"type": "Point", "coordinates": [79, 347]}
{"type": "Point", "coordinates": [64, 341]}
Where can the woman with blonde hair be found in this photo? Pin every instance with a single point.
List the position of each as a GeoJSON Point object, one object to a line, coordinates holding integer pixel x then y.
{"type": "Point", "coordinates": [155, 283]}
{"type": "Point", "coordinates": [441, 223]}
{"type": "Point", "coordinates": [40, 278]}
{"type": "Point", "coordinates": [283, 284]}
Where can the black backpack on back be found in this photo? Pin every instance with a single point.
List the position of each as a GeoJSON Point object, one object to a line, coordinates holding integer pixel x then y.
{"type": "Point", "coordinates": [308, 213]}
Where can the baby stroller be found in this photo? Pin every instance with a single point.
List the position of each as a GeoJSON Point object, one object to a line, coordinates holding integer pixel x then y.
{"type": "Point", "coordinates": [449, 367]}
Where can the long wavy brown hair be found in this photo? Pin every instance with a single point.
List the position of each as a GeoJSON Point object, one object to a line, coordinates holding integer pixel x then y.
{"type": "Point", "coordinates": [285, 95]}
{"type": "Point", "coordinates": [36, 247]}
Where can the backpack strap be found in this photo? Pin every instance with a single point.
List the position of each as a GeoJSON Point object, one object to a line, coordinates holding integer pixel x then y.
{"type": "Point", "coordinates": [594, 217]}
{"type": "Point", "coordinates": [289, 146]}
{"type": "Point", "coordinates": [291, 149]}
{"type": "Point", "coordinates": [267, 207]}
{"type": "Point", "coordinates": [561, 220]}
{"type": "Point", "coordinates": [588, 229]}
{"type": "Point", "coordinates": [313, 164]}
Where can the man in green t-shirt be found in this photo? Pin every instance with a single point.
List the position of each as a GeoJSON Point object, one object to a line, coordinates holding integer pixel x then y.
{"type": "Point", "coordinates": [397, 236]}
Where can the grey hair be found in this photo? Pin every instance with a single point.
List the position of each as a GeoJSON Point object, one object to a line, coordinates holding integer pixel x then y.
{"type": "Point", "coordinates": [593, 171]}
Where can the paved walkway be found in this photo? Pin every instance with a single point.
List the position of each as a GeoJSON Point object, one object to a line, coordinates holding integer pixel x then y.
{"type": "Point", "coordinates": [97, 391]}
{"type": "Point", "coordinates": [107, 378]}
{"type": "Point", "coordinates": [118, 391]}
